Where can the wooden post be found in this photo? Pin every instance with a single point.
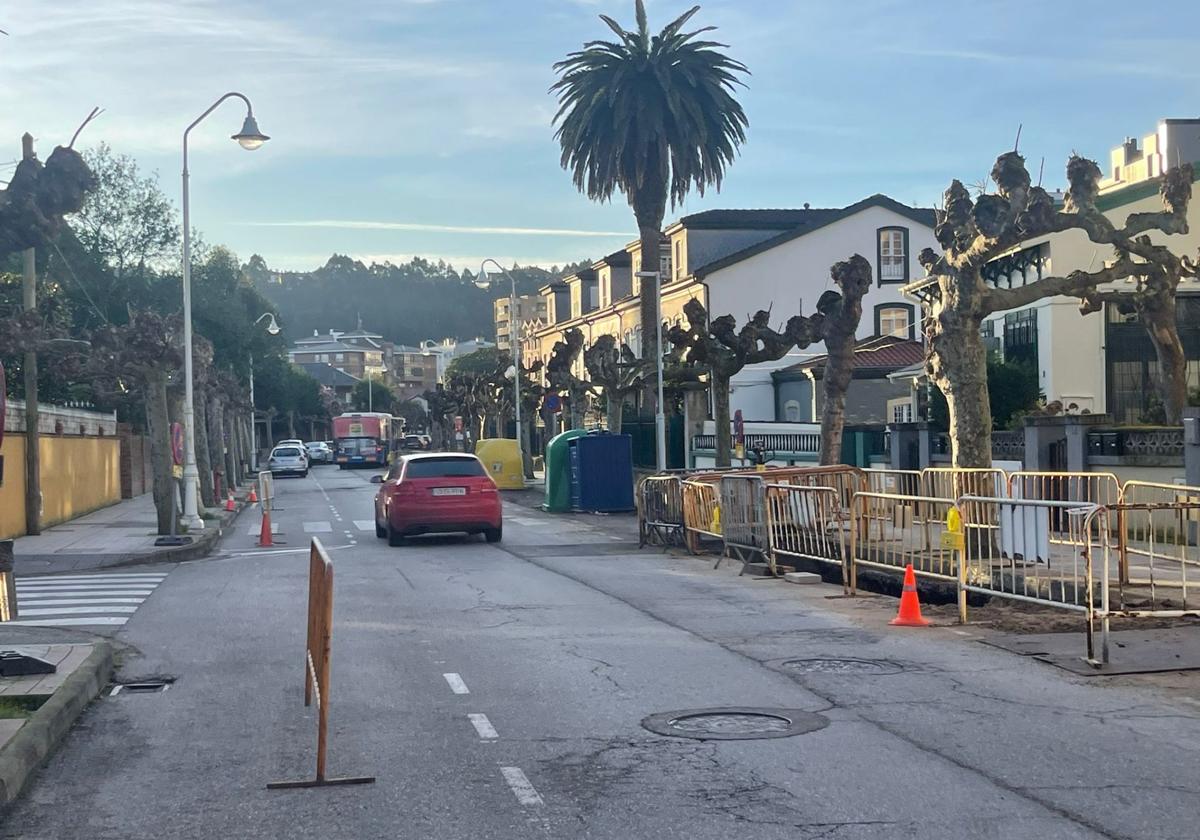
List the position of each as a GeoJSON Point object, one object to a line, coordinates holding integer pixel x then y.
{"type": "Point", "coordinates": [33, 483]}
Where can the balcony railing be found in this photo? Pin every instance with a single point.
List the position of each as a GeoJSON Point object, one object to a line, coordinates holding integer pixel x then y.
{"type": "Point", "coordinates": [778, 442]}
{"type": "Point", "coordinates": [891, 268]}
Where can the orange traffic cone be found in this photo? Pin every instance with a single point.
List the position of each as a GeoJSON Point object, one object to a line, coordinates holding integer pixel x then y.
{"type": "Point", "coordinates": [251, 497]}
{"type": "Point", "coordinates": [264, 535]}
{"type": "Point", "coordinates": [229, 504]}
{"type": "Point", "coordinates": [910, 606]}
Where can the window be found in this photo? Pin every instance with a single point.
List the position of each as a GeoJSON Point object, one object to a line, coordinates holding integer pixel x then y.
{"type": "Point", "coordinates": [444, 468]}
{"type": "Point", "coordinates": [1021, 336]}
{"type": "Point", "coordinates": [893, 255]}
{"type": "Point", "coordinates": [894, 320]}
{"type": "Point", "coordinates": [900, 411]}
{"type": "Point", "coordinates": [341, 357]}
{"type": "Point", "coordinates": [678, 267]}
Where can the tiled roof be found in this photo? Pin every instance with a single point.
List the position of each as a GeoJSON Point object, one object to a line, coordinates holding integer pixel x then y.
{"type": "Point", "coordinates": [770, 219]}
{"type": "Point", "coordinates": [878, 354]}
{"type": "Point", "coordinates": [327, 374]}
{"type": "Point", "coordinates": [821, 218]}
{"type": "Point", "coordinates": [330, 347]}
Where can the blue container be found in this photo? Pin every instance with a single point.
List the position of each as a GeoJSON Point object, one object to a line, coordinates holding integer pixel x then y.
{"type": "Point", "coordinates": [602, 473]}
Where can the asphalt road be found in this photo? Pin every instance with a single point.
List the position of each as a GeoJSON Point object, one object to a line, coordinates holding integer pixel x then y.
{"type": "Point", "coordinates": [498, 692]}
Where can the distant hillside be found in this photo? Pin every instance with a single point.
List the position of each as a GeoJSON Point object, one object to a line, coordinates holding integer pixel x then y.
{"type": "Point", "coordinates": [404, 303]}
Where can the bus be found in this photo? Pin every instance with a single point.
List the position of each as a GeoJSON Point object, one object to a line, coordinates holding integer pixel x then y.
{"type": "Point", "coordinates": [362, 439]}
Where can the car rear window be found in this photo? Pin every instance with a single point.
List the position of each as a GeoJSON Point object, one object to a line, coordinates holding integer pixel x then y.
{"type": "Point", "coordinates": [444, 468]}
{"type": "Point", "coordinates": [287, 451]}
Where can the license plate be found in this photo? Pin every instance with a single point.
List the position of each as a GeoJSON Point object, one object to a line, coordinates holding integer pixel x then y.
{"type": "Point", "coordinates": [449, 491]}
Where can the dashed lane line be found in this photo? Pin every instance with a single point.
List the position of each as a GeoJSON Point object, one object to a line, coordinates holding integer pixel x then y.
{"type": "Point", "coordinates": [525, 792]}
{"type": "Point", "coordinates": [483, 726]}
{"type": "Point", "coordinates": [456, 683]}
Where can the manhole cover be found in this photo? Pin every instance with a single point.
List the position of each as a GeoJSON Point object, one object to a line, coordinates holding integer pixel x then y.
{"type": "Point", "coordinates": [842, 666]}
{"type": "Point", "coordinates": [735, 723]}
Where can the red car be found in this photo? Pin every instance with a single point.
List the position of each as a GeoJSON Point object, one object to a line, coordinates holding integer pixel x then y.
{"type": "Point", "coordinates": [428, 493]}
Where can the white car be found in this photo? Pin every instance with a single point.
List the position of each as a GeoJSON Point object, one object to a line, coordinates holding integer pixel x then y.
{"type": "Point", "coordinates": [287, 459]}
{"type": "Point", "coordinates": [319, 452]}
{"type": "Point", "coordinates": [291, 442]}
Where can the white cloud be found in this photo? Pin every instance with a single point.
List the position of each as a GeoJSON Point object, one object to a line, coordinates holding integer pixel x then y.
{"type": "Point", "coordinates": [351, 224]}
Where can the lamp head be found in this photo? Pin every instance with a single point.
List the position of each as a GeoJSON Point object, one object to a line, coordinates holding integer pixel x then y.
{"type": "Point", "coordinates": [250, 138]}
{"type": "Point", "coordinates": [272, 326]}
{"type": "Point", "coordinates": [482, 280]}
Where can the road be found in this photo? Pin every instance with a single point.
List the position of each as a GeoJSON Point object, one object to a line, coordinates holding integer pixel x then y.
{"type": "Point", "coordinates": [499, 692]}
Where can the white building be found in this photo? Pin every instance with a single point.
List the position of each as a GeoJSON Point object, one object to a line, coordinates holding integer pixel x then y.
{"type": "Point", "coordinates": [786, 271]}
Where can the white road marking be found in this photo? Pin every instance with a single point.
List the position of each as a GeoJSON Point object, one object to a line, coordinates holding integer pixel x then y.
{"type": "Point", "coordinates": [318, 528]}
{"type": "Point", "coordinates": [255, 530]}
{"type": "Point", "coordinates": [525, 792]}
{"type": "Point", "coordinates": [70, 622]}
{"type": "Point", "coordinates": [364, 524]}
{"type": "Point", "coordinates": [483, 726]}
{"type": "Point", "coordinates": [95, 579]}
{"type": "Point", "coordinates": [79, 611]}
{"type": "Point", "coordinates": [456, 683]}
{"type": "Point", "coordinates": [66, 602]}
{"type": "Point", "coordinates": [82, 592]}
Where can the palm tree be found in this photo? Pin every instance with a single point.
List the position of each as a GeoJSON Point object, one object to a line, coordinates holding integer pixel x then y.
{"type": "Point", "coordinates": [652, 117]}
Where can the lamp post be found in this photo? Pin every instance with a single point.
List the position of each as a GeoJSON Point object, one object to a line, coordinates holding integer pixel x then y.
{"type": "Point", "coordinates": [272, 329]}
{"type": "Point", "coordinates": [249, 138]}
{"type": "Point", "coordinates": [514, 327]}
{"type": "Point", "coordinates": [660, 419]}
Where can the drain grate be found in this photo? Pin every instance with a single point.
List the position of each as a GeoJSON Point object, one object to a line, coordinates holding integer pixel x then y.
{"type": "Point", "coordinates": [878, 667]}
{"type": "Point", "coordinates": [735, 723]}
{"type": "Point", "coordinates": [142, 687]}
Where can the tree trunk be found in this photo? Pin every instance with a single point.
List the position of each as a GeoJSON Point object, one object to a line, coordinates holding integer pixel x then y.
{"type": "Point", "coordinates": [615, 411]}
{"type": "Point", "coordinates": [216, 453]}
{"type": "Point", "coordinates": [962, 361]}
{"type": "Point", "coordinates": [158, 427]}
{"type": "Point", "coordinates": [203, 464]}
{"type": "Point", "coordinates": [839, 369]}
{"type": "Point", "coordinates": [719, 382]}
{"type": "Point", "coordinates": [578, 403]}
{"type": "Point", "coordinates": [1172, 363]}
{"type": "Point", "coordinates": [291, 424]}
{"type": "Point", "coordinates": [230, 443]}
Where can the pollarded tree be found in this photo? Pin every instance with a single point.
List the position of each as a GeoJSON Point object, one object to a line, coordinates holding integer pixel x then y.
{"type": "Point", "coordinates": [617, 371]}
{"type": "Point", "coordinates": [560, 374]}
{"type": "Point", "coordinates": [650, 116]}
{"type": "Point", "coordinates": [974, 232]}
{"type": "Point", "coordinates": [723, 351]}
{"type": "Point", "coordinates": [37, 198]}
{"type": "Point", "coordinates": [145, 354]}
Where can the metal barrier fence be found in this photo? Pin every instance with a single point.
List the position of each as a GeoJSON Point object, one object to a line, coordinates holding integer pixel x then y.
{"type": "Point", "coordinates": [660, 511]}
{"type": "Point", "coordinates": [894, 482]}
{"type": "Point", "coordinates": [845, 481]}
{"type": "Point", "coordinates": [952, 482]}
{"type": "Point", "coordinates": [701, 510]}
{"type": "Point", "coordinates": [1167, 552]}
{"type": "Point", "coordinates": [887, 534]}
{"type": "Point", "coordinates": [1038, 552]}
{"type": "Point", "coordinates": [1097, 488]}
{"type": "Point", "coordinates": [743, 523]}
{"type": "Point", "coordinates": [316, 664]}
{"type": "Point", "coordinates": [805, 522]}
{"type": "Point", "coordinates": [1134, 525]}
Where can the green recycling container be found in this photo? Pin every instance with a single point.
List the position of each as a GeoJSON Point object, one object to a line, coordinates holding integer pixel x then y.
{"type": "Point", "coordinates": [558, 471]}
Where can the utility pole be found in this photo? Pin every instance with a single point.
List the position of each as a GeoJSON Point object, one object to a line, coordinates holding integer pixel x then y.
{"type": "Point", "coordinates": [33, 484]}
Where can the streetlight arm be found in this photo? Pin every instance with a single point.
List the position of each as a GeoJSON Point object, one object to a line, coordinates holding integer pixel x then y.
{"type": "Point", "coordinates": [200, 119]}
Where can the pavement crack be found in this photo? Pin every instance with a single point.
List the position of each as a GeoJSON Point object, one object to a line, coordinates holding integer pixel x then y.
{"type": "Point", "coordinates": [599, 664]}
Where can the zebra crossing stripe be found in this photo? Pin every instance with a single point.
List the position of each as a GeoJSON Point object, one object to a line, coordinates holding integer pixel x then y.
{"type": "Point", "coordinates": [80, 600]}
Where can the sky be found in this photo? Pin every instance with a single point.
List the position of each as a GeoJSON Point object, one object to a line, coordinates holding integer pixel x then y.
{"type": "Point", "coordinates": [423, 127]}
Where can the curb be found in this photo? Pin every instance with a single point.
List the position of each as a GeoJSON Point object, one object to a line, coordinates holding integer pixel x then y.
{"type": "Point", "coordinates": [47, 726]}
{"type": "Point", "coordinates": [202, 546]}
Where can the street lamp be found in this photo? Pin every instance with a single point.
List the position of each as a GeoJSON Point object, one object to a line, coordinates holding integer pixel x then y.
{"type": "Point", "coordinates": [272, 329]}
{"type": "Point", "coordinates": [483, 281]}
{"type": "Point", "coordinates": [660, 419]}
{"type": "Point", "coordinates": [249, 138]}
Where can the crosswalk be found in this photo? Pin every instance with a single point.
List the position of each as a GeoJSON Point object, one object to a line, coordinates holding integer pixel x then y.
{"type": "Point", "coordinates": [318, 527]}
{"type": "Point", "coordinates": [83, 600]}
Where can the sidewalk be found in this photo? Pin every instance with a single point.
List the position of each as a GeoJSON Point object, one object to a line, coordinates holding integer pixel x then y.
{"type": "Point", "coordinates": [118, 535]}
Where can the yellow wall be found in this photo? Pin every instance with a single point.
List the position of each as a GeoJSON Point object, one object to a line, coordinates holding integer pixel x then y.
{"type": "Point", "coordinates": [79, 475]}
{"type": "Point", "coordinates": [12, 491]}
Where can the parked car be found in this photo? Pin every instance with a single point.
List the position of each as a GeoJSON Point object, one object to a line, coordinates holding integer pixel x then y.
{"type": "Point", "coordinates": [291, 442]}
{"type": "Point", "coordinates": [412, 442]}
{"type": "Point", "coordinates": [426, 442]}
{"type": "Point", "coordinates": [319, 452]}
{"type": "Point", "coordinates": [440, 493]}
{"type": "Point", "coordinates": [287, 459]}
